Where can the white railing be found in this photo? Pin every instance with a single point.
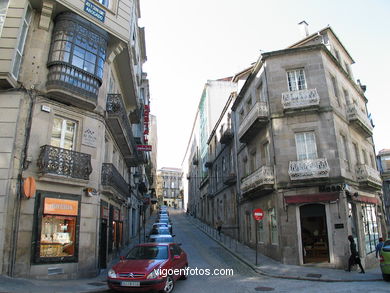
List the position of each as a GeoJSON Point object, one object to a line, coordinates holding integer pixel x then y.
{"type": "Point", "coordinates": [308, 169]}
{"type": "Point", "coordinates": [259, 110]}
{"type": "Point", "coordinates": [354, 113]}
{"type": "Point", "coordinates": [300, 99]}
{"type": "Point", "coordinates": [366, 173]}
{"type": "Point", "coordinates": [261, 176]}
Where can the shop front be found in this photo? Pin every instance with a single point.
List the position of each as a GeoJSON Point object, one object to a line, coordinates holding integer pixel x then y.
{"type": "Point", "coordinates": [56, 230]}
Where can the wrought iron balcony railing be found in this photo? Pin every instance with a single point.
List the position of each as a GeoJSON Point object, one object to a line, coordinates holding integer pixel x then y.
{"type": "Point", "coordinates": [112, 177]}
{"type": "Point", "coordinates": [300, 99]}
{"type": "Point", "coordinates": [262, 176]}
{"type": "Point", "coordinates": [367, 175]}
{"type": "Point", "coordinates": [359, 120]}
{"type": "Point", "coordinates": [308, 169]}
{"type": "Point", "coordinates": [255, 118]}
{"type": "Point", "coordinates": [63, 162]}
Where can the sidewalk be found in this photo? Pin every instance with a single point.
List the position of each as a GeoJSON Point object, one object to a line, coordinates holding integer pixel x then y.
{"type": "Point", "coordinates": [272, 268]}
{"type": "Point", "coordinates": [96, 284]}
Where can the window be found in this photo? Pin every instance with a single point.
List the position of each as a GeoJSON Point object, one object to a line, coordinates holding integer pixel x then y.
{"type": "Point", "coordinates": [77, 54]}
{"type": "Point", "coordinates": [21, 41]}
{"type": "Point", "coordinates": [249, 104]}
{"type": "Point", "coordinates": [365, 159]}
{"type": "Point", "coordinates": [296, 80]}
{"type": "Point", "coordinates": [172, 184]}
{"type": "Point", "coordinates": [335, 89]}
{"type": "Point", "coordinates": [223, 165]}
{"type": "Point", "coordinates": [337, 55]}
{"type": "Point", "coordinates": [344, 152]}
{"type": "Point", "coordinates": [242, 115]}
{"type": "Point", "coordinates": [260, 91]}
{"type": "Point", "coordinates": [63, 133]}
{"type": "Point", "coordinates": [252, 161]}
{"type": "Point", "coordinates": [3, 13]}
{"type": "Point", "coordinates": [356, 152]}
{"type": "Point", "coordinates": [346, 96]}
{"type": "Point", "coordinates": [106, 3]}
{"type": "Point", "coordinates": [261, 231]}
{"type": "Point", "coordinates": [306, 146]}
{"type": "Point", "coordinates": [370, 226]}
{"type": "Point", "coordinates": [265, 158]}
{"type": "Point", "coordinates": [56, 229]}
{"type": "Point", "coordinates": [273, 226]}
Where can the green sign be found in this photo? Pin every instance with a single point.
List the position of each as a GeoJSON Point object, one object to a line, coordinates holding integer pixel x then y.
{"type": "Point", "coordinates": [94, 10]}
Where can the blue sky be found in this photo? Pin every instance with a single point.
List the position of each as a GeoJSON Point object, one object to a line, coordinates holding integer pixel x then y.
{"type": "Point", "coordinates": [189, 42]}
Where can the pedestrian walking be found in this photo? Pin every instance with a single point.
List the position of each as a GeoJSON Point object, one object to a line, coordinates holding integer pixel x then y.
{"type": "Point", "coordinates": [354, 259]}
{"type": "Point", "coordinates": [378, 247]}
{"type": "Point", "coordinates": [219, 226]}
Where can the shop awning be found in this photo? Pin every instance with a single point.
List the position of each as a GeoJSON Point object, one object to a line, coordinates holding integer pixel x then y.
{"type": "Point", "coordinates": [367, 199]}
{"type": "Point", "coordinates": [314, 197]}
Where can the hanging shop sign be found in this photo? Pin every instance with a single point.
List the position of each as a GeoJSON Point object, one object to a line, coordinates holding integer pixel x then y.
{"type": "Point", "coordinates": [29, 187]}
{"type": "Point", "coordinates": [56, 206]}
{"type": "Point", "coordinates": [146, 122]}
{"type": "Point", "coordinates": [144, 148]}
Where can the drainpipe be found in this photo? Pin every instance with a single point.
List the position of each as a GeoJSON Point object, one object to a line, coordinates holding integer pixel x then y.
{"type": "Point", "coordinates": [23, 166]}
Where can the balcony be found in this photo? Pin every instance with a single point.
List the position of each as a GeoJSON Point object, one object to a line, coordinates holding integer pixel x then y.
{"type": "Point", "coordinates": [230, 179]}
{"type": "Point", "coordinates": [368, 176]}
{"type": "Point", "coordinates": [112, 178]}
{"type": "Point", "coordinates": [120, 127]}
{"type": "Point", "coordinates": [300, 100]}
{"type": "Point", "coordinates": [261, 181]}
{"type": "Point", "coordinates": [253, 121]}
{"type": "Point", "coordinates": [308, 169]}
{"type": "Point", "coordinates": [226, 136]}
{"type": "Point", "coordinates": [195, 160]}
{"type": "Point", "coordinates": [359, 120]}
{"type": "Point", "coordinates": [57, 161]}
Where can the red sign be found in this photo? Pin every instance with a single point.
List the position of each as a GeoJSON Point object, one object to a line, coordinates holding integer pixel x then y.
{"type": "Point", "coordinates": [258, 214]}
{"type": "Point", "coordinates": [144, 148]}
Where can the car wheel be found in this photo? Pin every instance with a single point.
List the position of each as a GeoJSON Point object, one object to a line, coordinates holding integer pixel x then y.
{"type": "Point", "coordinates": [184, 276]}
{"type": "Point", "coordinates": [386, 277]}
{"type": "Point", "coordinates": [169, 285]}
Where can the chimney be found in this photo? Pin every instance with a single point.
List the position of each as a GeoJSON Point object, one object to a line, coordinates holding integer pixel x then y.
{"type": "Point", "coordinates": [304, 28]}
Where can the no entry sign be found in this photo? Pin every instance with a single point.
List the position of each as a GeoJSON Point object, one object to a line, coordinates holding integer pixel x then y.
{"type": "Point", "coordinates": [258, 214]}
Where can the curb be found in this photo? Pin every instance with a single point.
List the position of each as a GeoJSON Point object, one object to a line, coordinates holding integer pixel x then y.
{"type": "Point", "coordinates": [261, 272]}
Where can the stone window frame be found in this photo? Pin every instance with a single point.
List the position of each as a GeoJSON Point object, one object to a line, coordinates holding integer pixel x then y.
{"type": "Point", "coordinates": [296, 72]}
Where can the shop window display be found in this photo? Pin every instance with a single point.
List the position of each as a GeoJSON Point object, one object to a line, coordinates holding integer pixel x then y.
{"type": "Point", "coordinates": [57, 236]}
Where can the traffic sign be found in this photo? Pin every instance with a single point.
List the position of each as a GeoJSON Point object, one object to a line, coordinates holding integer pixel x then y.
{"type": "Point", "coordinates": [258, 214]}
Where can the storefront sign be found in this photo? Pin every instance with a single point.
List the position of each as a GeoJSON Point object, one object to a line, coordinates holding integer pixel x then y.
{"type": "Point", "coordinates": [89, 137]}
{"type": "Point", "coordinates": [144, 148]}
{"type": "Point", "coordinates": [146, 122]}
{"type": "Point", "coordinates": [56, 206]}
{"type": "Point", "coordinates": [116, 215]}
{"type": "Point", "coordinates": [95, 11]}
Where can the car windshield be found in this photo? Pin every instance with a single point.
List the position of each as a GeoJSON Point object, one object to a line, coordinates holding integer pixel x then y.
{"type": "Point", "coordinates": [162, 239]}
{"type": "Point", "coordinates": [148, 252]}
{"type": "Point", "coordinates": [160, 231]}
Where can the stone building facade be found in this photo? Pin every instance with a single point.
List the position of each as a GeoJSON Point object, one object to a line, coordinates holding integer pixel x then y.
{"type": "Point", "coordinates": [170, 187]}
{"type": "Point", "coordinates": [305, 156]}
{"type": "Point", "coordinates": [72, 99]}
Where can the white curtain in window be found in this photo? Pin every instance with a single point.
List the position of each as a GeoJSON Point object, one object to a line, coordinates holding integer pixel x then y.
{"type": "Point", "coordinates": [296, 80]}
{"type": "Point", "coordinates": [306, 145]}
